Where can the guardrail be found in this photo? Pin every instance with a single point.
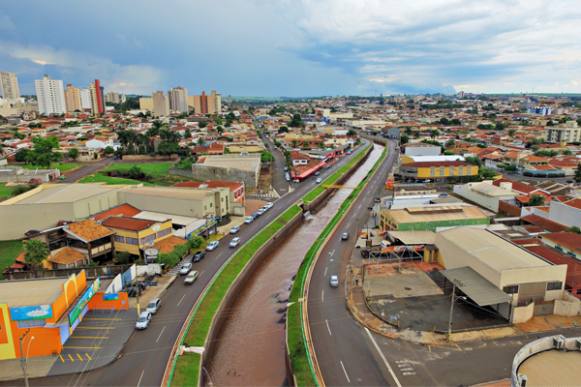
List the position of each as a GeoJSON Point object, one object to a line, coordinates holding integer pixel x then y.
{"type": "Point", "coordinates": [304, 365]}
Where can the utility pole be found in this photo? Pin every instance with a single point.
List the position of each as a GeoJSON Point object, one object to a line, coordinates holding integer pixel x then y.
{"type": "Point", "coordinates": [24, 356]}
{"type": "Point", "coordinates": [452, 301]}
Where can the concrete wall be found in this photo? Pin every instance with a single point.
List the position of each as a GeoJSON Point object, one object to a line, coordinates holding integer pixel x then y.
{"type": "Point", "coordinates": [536, 275]}
{"type": "Point", "coordinates": [17, 219]}
{"type": "Point", "coordinates": [567, 306]}
{"type": "Point", "coordinates": [565, 214]}
{"type": "Point", "coordinates": [522, 314]}
{"type": "Point", "coordinates": [205, 172]}
{"type": "Point", "coordinates": [95, 204]}
{"type": "Point", "coordinates": [169, 205]}
{"type": "Point", "coordinates": [489, 202]}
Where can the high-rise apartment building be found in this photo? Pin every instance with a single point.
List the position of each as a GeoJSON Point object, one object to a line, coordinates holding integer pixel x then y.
{"type": "Point", "coordinates": [160, 104]}
{"type": "Point", "coordinates": [86, 103]}
{"type": "Point", "coordinates": [73, 98]}
{"type": "Point", "coordinates": [146, 103]}
{"type": "Point", "coordinates": [50, 94]}
{"type": "Point", "coordinates": [178, 99]}
{"type": "Point", "coordinates": [97, 98]}
{"type": "Point", "coordinates": [114, 98]}
{"type": "Point", "coordinates": [206, 104]}
{"type": "Point", "coordinates": [9, 88]}
{"type": "Point", "coordinates": [214, 103]}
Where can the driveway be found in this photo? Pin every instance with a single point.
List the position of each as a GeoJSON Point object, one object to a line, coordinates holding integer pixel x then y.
{"type": "Point", "coordinates": [85, 170]}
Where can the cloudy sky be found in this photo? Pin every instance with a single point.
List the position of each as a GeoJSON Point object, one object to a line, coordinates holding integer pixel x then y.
{"type": "Point", "coordinates": [297, 47]}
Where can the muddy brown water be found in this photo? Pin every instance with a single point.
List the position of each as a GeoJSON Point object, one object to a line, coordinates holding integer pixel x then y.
{"type": "Point", "coordinates": [250, 350]}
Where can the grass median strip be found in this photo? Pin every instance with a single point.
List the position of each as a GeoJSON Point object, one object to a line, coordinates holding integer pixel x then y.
{"type": "Point", "coordinates": [187, 367]}
{"type": "Point", "coordinates": [301, 363]}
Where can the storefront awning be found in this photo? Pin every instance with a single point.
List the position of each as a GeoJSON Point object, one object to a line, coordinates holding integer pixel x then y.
{"type": "Point", "coordinates": [476, 287]}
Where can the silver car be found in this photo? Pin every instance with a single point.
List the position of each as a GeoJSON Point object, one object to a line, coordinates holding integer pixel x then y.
{"type": "Point", "coordinates": [334, 281]}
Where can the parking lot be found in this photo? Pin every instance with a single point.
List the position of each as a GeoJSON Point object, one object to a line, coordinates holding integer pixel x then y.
{"type": "Point", "coordinates": [97, 340]}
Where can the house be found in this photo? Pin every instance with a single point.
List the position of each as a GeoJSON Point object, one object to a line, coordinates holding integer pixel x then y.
{"type": "Point", "coordinates": [133, 236]}
{"type": "Point", "coordinates": [485, 194]}
{"type": "Point", "coordinates": [90, 239]}
{"type": "Point", "coordinates": [66, 258]}
{"type": "Point", "coordinates": [303, 165]}
{"type": "Point", "coordinates": [568, 243]}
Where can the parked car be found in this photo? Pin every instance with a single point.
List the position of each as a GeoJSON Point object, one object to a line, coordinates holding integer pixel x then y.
{"type": "Point", "coordinates": [249, 219]}
{"type": "Point", "coordinates": [143, 320]}
{"type": "Point", "coordinates": [212, 245]}
{"type": "Point", "coordinates": [234, 230]}
{"type": "Point", "coordinates": [344, 236]}
{"type": "Point", "coordinates": [269, 205]}
{"type": "Point", "coordinates": [191, 278]}
{"type": "Point", "coordinates": [186, 268]}
{"type": "Point", "coordinates": [334, 281]}
{"type": "Point", "coordinates": [153, 305]}
{"type": "Point", "coordinates": [317, 173]}
{"type": "Point", "coordinates": [318, 180]}
{"type": "Point", "coordinates": [260, 211]}
{"type": "Point", "coordinates": [287, 176]}
{"type": "Point", "coordinates": [199, 256]}
{"type": "Point", "coordinates": [234, 242]}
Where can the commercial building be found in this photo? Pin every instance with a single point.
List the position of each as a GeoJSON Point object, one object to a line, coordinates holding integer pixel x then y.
{"type": "Point", "coordinates": [236, 187]}
{"type": "Point", "coordinates": [73, 98]}
{"type": "Point", "coordinates": [97, 98]}
{"type": "Point", "coordinates": [567, 132]}
{"type": "Point", "coordinates": [437, 170]}
{"type": "Point", "coordinates": [45, 313]}
{"type": "Point", "coordinates": [422, 149]}
{"type": "Point", "coordinates": [244, 168]}
{"type": "Point", "coordinates": [9, 88]}
{"type": "Point", "coordinates": [133, 235]}
{"type": "Point", "coordinates": [485, 194]}
{"type": "Point", "coordinates": [432, 217]}
{"type": "Point", "coordinates": [160, 104]}
{"type": "Point", "coordinates": [525, 278]}
{"type": "Point", "coordinates": [178, 99]}
{"type": "Point", "coordinates": [50, 95]}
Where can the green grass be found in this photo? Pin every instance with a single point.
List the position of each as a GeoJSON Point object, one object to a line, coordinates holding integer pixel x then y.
{"type": "Point", "coordinates": [100, 178]}
{"type": "Point", "coordinates": [9, 250]}
{"type": "Point", "coordinates": [332, 179]}
{"type": "Point", "coordinates": [186, 369]}
{"type": "Point", "coordinates": [5, 192]}
{"type": "Point", "coordinates": [63, 167]}
{"type": "Point", "coordinates": [153, 169]}
{"type": "Point", "coordinates": [300, 361]}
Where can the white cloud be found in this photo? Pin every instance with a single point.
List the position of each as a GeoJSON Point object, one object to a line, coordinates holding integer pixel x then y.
{"type": "Point", "coordinates": [489, 45]}
{"type": "Point", "coordinates": [128, 78]}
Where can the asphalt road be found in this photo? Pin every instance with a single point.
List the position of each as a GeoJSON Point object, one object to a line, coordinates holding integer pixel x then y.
{"type": "Point", "coordinates": [349, 354]}
{"type": "Point", "coordinates": [142, 362]}
{"type": "Point", "coordinates": [86, 169]}
{"type": "Point", "coordinates": [278, 181]}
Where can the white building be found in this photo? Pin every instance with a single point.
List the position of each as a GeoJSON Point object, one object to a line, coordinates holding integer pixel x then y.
{"type": "Point", "coordinates": [565, 133]}
{"type": "Point", "coordinates": [178, 99]}
{"type": "Point", "coordinates": [485, 194]}
{"type": "Point", "coordinates": [9, 88]}
{"type": "Point", "coordinates": [422, 149]}
{"type": "Point", "coordinates": [86, 100]}
{"type": "Point", "coordinates": [50, 94]}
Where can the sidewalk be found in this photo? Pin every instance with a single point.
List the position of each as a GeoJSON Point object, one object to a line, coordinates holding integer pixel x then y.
{"type": "Point", "coordinates": [152, 292]}
{"type": "Point", "coordinates": [38, 367]}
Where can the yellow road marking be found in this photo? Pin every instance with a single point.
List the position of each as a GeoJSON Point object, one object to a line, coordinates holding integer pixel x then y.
{"type": "Point", "coordinates": [89, 337]}
{"type": "Point", "coordinates": [96, 328]}
{"type": "Point", "coordinates": [102, 318]}
{"type": "Point", "coordinates": [81, 347]}
{"type": "Point", "coordinates": [88, 356]}
{"type": "Point", "coordinates": [72, 359]}
{"type": "Point", "coordinates": [61, 359]}
{"type": "Point", "coordinates": [430, 348]}
{"type": "Point", "coordinates": [80, 357]}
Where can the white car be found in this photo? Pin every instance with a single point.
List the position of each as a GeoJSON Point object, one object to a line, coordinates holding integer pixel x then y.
{"type": "Point", "coordinates": [235, 242]}
{"type": "Point", "coordinates": [234, 230]}
{"type": "Point", "coordinates": [260, 211]}
{"type": "Point", "coordinates": [191, 278]}
{"type": "Point", "coordinates": [143, 320]}
{"type": "Point", "coordinates": [249, 219]}
{"type": "Point", "coordinates": [318, 180]}
{"type": "Point", "coordinates": [185, 269]}
{"type": "Point", "coordinates": [334, 281]}
{"type": "Point", "coordinates": [212, 245]}
{"type": "Point", "coordinates": [154, 305]}
{"type": "Point", "coordinates": [269, 205]}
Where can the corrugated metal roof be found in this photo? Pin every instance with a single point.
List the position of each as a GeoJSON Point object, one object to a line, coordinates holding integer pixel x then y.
{"type": "Point", "coordinates": [476, 287]}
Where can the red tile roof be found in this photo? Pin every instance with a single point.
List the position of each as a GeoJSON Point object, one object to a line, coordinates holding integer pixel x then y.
{"type": "Point", "coordinates": [516, 185]}
{"type": "Point", "coordinates": [576, 203]}
{"type": "Point", "coordinates": [573, 265]}
{"type": "Point", "coordinates": [546, 224]}
{"type": "Point", "coordinates": [568, 240]}
{"type": "Point", "coordinates": [131, 224]}
{"type": "Point", "coordinates": [121, 210]}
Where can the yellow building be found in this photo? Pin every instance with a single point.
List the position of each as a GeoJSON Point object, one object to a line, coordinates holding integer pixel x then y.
{"type": "Point", "coordinates": [437, 170]}
{"type": "Point", "coordinates": [146, 103]}
{"type": "Point", "coordinates": [134, 235]}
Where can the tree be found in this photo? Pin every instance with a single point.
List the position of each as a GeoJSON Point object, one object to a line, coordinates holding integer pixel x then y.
{"type": "Point", "coordinates": [42, 152]}
{"type": "Point", "coordinates": [73, 153]}
{"type": "Point", "coordinates": [187, 133]}
{"type": "Point", "coordinates": [167, 148]}
{"type": "Point", "coordinates": [450, 143]}
{"type": "Point", "coordinates": [574, 229]}
{"type": "Point", "coordinates": [511, 132]}
{"type": "Point", "coordinates": [266, 157]}
{"type": "Point", "coordinates": [536, 200]}
{"type": "Point", "coordinates": [35, 252]}
{"type": "Point", "coordinates": [196, 241]}
{"type": "Point", "coordinates": [109, 150]}
{"type": "Point", "coordinates": [404, 139]}
{"type": "Point", "coordinates": [578, 173]}
{"type": "Point", "coordinates": [202, 124]}
{"type": "Point", "coordinates": [351, 133]}
{"type": "Point", "coordinates": [434, 133]}
{"type": "Point", "coordinates": [487, 173]}
{"type": "Point", "coordinates": [473, 160]}
{"type": "Point", "coordinates": [296, 121]}
{"type": "Point", "coordinates": [283, 129]}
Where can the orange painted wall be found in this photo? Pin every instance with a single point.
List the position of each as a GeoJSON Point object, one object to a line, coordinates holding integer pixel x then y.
{"type": "Point", "coordinates": [74, 286]}
{"type": "Point", "coordinates": [97, 302]}
{"type": "Point", "coordinates": [46, 340]}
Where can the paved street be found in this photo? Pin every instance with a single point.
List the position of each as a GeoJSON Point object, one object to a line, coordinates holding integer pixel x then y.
{"type": "Point", "coordinates": [278, 181]}
{"type": "Point", "coordinates": [142, 362]}
{"type": "Point", "coordinates": [85, 170]}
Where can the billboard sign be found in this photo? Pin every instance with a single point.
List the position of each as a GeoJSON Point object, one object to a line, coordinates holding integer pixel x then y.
{"type": "Point", "coordinates": [83, 301]}
{"type": "Point", "coordinates": [110, 296]}
{"type": "Point", "coordinates": [32, 312]}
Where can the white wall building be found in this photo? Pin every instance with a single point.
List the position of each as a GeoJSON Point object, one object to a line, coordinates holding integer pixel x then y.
{"type": "Point", "coordinates": [485, 194]}
{"type": "Point", "coordinates": [160, 104]}
{"type": "Point", "coordinates": [86, 101]}
{"type": "Point", "coordinates": [50, 94]}
{"type": "Point", "coordinates": [9, 88]}
{"type": "Point", "coordinates": [178, 99]}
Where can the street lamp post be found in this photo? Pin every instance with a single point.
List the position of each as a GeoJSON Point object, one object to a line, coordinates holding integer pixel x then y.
{"type": "Point", "coordinates": [24, 355]}
{"type": "Point", "coordinates": [452, 302]}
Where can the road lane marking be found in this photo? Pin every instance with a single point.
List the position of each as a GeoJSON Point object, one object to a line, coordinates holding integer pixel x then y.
{"type": "Point", "coordinates": [328, 328]}
{"type": "Point", "coordinates": [383, 358]}
{"type": "Point", "coordinates": [322, 295]}
{"type": "Point", "coordinates": [89, 357]}
{"type": "Point", "coordinates": [103, 318]}
{"type": "Point", "coordinates": [81, 347]}
{"type": "Point", "coordinates": [140, 377]}
{"type": "Point", "coordinates": [331, 253]}
{"type": "Point", "coordinates": [61, 358]}
{"type": "Point", "coordinates": [345, 371]}
{"type": "Point", "coordinates": [80, 357]}
{"type": "Point", "coordinates": [181, 299]}
{"type": "Point", "coordinates": [89, 337]}
{"type": "Point", "coordinates": [71, 358]}
{"type": "Point", "coordinates": [99, 328]}
{"type": "Point", "coordinates": [325, 274]}
{"type": "Point", "coordinates": [160, 333]}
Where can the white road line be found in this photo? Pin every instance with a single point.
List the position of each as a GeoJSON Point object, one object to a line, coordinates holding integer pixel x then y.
{"type": "Point", "coordinates": [160, 333]}
{"type": "Point", "coordinates": [345, 371]}
{"type": "Point", "coordinates": [181, 299]}
{"type": "Point", "coordinates": [140, 377]}
{"type": "Point", "coordinates": [328, 328]}
{"type": "Point", "coordinates": [331, 253]}
{"type": "Point", "coordinates": [383, 358]}
{"type": "Point", "coordinates": [325, 274]}
{"type": "Point", "coordinates": [322, 295]}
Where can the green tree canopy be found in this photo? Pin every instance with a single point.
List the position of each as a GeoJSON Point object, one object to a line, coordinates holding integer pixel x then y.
{"type": "Point", "coordinates": [35, 252]}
